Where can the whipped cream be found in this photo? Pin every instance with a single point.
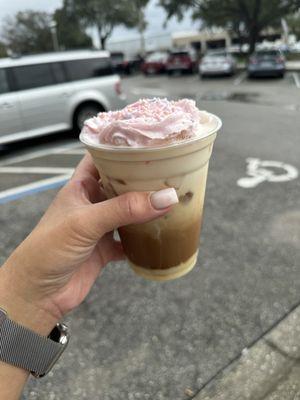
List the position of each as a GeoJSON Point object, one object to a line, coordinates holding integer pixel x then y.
{"type": "Point", "coordinates": [149, 122]}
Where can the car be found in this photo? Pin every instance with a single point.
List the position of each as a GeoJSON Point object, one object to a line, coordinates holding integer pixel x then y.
{"type": "Point", "coordinates": [132, 64]}
{"type": "Point", "coordinates": [123, 64]}
{"type": "Point", "coordinates": [266, 63]}
{"type": "Point", "coordinates": [117, 59]}
{"type": "Point", "coordinates": [42, 94]}
{"type": "Point", "coordinates": [155, 63]}
{"type": "Point", "coordinates": [217, 63]}
{"type": "Point", "coordinates": [180, 61]}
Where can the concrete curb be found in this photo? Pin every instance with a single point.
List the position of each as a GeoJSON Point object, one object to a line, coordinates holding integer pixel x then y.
{"type": "Point", "coordinates": [269, 370]}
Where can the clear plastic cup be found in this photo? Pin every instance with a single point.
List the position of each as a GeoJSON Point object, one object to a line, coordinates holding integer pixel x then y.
{"type": "Point", "coordinates": [167, 247]}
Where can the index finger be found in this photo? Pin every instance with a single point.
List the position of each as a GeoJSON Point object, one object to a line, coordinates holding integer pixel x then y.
{"type": "Point", "coordinates": [86, 169]}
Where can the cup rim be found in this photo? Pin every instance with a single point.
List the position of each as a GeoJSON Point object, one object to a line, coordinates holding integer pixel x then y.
{"type": "Point", "coordinates": [127, 149]}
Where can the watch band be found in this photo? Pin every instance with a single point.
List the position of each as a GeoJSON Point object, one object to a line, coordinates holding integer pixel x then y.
{"type": "Point", "coordinates": [26, 349]}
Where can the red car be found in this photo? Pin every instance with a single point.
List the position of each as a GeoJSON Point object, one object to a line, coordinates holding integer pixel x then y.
{"type": "Point", "coordinates": [180, 61]}
{"type": "Point", "coordinates": [155, 63]}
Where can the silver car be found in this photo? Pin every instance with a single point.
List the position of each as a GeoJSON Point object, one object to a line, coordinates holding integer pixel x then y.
{"type": "Point", "coordinates": [48, 93]}
{"type": "Point", "coordinates": [217, 63]}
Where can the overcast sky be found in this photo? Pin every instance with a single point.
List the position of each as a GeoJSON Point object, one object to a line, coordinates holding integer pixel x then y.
{"type": "Point", "coordinates": [154, 15]}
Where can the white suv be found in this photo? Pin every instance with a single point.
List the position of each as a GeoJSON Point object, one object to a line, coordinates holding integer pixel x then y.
{"type": "Point", "coordinates": [48, 93]}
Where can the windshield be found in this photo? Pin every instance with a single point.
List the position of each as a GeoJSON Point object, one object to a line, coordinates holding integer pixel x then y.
{"type": "Point", "coordinates": [268, 53]}
{"type": "Point", "coordinates": [217, 55]}
{"type": "Point", "coordinates": [180, 53]}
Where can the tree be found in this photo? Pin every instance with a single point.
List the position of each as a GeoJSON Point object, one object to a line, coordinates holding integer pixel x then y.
{"type": "Point", "coordinates": [3, 52]}
{"type": "Point", "coordinates": [105, 15]}
{"type": "Point", "coordinates": [28, 32]}
{"type": "Point", "coordinates": [254, 15]}
{"type": "Point", "coordinates": [293, 22]}
{"type": "Point", "coordinates": [70, 31]}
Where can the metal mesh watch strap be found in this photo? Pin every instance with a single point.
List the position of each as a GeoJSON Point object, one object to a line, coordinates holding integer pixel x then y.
{"type": "Point", "coordinates": [26, 349]}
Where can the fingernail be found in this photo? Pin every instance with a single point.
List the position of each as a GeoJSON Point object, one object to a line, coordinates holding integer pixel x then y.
{"type": "Point", "coordinates": [164, 198]}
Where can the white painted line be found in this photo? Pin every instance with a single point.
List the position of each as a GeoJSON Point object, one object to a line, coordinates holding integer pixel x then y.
{"type": "Point", "coordinates": [36, 170]}
{"type": "Point", "coordinates": [40, 153]}
{"type": "Point", "coordinates": [35, 187]}
{"type": "Point", "coordinates": [239, 79]}
{"type": "Point", "coordinates": [149, 91]}
{"type": "Point", "coordinates": [296, 79]}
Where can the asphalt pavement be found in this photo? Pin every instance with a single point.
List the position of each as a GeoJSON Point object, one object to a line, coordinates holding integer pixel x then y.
{"type": "Point", "coordinates": [134, 339]}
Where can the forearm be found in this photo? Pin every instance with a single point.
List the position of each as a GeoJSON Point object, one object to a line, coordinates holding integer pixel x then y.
{"type": "Point", "coordinates": [13, 379]}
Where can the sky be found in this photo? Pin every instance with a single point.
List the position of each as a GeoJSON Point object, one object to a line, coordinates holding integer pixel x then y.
{"type": "Point", "coordinates": [155, 16]}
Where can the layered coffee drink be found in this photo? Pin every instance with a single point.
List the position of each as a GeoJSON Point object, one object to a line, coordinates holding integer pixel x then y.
{"type": "Point", "coordinates": [150, 145]}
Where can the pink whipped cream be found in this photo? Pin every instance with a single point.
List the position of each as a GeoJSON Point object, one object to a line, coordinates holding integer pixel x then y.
{"type": "Point", "coordinates": [149, 122]}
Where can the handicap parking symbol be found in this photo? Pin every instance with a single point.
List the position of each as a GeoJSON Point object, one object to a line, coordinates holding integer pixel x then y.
{"type": "Point", "coordinates": [260, 171]}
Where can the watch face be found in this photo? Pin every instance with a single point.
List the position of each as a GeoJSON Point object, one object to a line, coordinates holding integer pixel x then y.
{"type": "Point", "coordinates": [3, 316]}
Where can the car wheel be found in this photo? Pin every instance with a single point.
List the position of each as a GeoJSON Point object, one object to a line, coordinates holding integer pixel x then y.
{"type": "Point", "coordinates": [84, 112]}
{"type": "Point", "coordinates": [281, 75]}
{"type": "Point", "coordinates": [170, 73]}
{"type": "Point", "coordinates": [201, 76]}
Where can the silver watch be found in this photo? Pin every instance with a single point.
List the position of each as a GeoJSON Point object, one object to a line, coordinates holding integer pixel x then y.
{"type": "Point", "coordinates": [26, 349]}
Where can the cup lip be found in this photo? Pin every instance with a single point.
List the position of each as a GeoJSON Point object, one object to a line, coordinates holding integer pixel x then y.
{"type": "Point", "coordinates": [127, 149]}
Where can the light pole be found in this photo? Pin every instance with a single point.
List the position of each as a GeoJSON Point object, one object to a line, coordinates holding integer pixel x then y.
{"type": "Point", "coordinates": [53, 27]}
{"type": "Point", "coordinates": [141, 29]}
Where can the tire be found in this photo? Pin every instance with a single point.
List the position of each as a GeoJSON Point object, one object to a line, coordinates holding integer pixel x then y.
{"type": "Point", "coordinates": [84, 112]}
{"type": "Point", "coordinates": [281, 75]}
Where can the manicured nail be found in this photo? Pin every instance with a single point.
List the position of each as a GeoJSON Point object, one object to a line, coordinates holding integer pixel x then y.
{"type": "Point", "coordinates": [164, 198]}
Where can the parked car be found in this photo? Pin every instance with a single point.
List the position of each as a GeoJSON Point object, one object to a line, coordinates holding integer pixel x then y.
{"type": "Point", "coordinates": [217, 63]}
{"type": "Point", "coordinates": [155, 63]}
{"type": "Point", "coordinates": [117, 59]}
{"type": "Point", "coordinates": [125, 64]}
{"type": "Point", "coordinates": [266, 63]}
{"type": "Point", "coordinates": [48, 93]}
{"type": "Point", "coordinates": [180, 61]}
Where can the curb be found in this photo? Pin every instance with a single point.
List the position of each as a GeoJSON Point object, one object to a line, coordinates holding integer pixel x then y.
{"type": "Point", "coordinates": [269, 370]}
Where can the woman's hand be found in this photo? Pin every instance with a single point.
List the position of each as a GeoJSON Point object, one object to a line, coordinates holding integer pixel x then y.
{"type": "Point", "coordinates": [53, 270]}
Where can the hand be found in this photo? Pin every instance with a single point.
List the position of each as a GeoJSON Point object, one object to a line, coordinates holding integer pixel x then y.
{"type": "Point", "coordinates": [53, 270]}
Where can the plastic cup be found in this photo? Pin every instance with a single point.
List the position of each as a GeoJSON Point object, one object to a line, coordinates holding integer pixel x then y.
{"type": "Point", "coordinates": [167, 247]}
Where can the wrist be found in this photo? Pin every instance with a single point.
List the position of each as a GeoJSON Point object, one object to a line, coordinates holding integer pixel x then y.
{"type": "Point", "coordinates": [23, 310]}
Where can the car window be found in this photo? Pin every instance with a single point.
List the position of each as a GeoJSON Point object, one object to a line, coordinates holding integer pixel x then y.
{"type": "Point", "coordinates": [89, 68]}
{"type": "Point", "coordinates": [272, 53]}
{"type": "Point", "coordinates": [33, 76]}
{"type": "Point", "coordinates": [216, 55]}
{"type": "Point", "coordinates": [180, 53]}
{"type": "Point", "coordinates": [3, 82]}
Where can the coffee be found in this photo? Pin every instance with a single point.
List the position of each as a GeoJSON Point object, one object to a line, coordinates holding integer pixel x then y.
{"type": "Point", "coordinates": [167, 247]}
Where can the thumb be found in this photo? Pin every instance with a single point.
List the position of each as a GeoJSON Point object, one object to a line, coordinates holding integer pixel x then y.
{"type": "Point", "coordinates": [128, 208]}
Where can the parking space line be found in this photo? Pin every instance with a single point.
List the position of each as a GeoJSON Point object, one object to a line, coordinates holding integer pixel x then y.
{"type": "Point", "coordinates": [40, 153]}
{"type": "Point", "coordinates": [31, 188]}
{"type": "Point", "coordinates": [296, 79]}
{"type": "Point", "coordinates": [36, 170]}
{"type": "Point", "coordinates": [239, 79]}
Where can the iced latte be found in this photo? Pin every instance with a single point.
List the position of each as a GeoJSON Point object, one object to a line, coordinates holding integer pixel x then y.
{"type": "Point", "coordinates": [151, 145]}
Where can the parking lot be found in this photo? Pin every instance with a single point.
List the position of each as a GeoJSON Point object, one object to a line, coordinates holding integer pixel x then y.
{"type": "Point", "coordinates": [134, 339]}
